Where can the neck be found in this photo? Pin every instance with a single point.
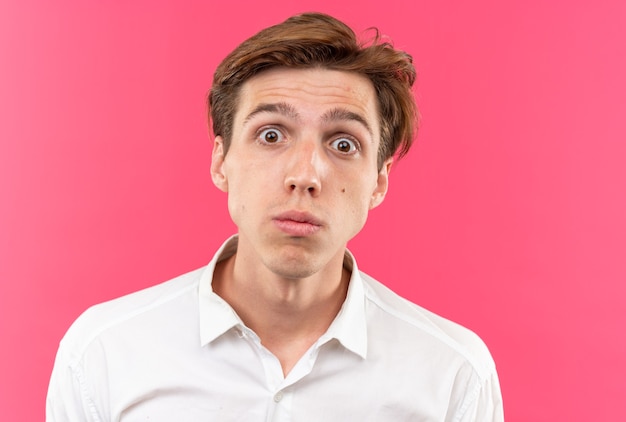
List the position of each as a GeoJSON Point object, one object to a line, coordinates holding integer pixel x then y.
{"type": "Point", "coordinates": [287, 314]}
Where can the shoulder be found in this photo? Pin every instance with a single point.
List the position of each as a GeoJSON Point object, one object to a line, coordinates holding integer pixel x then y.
{"type": "Point", "coordinates": [441, 333]}
{"type": "Point", "coordinates": [116, 313]}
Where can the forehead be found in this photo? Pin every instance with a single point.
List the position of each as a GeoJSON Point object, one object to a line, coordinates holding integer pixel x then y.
{"type": "Point", "coordinates": [311, 91]}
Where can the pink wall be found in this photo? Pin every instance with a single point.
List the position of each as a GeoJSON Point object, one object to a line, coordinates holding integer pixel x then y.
{"type": "Point", "coordinates": [509, 216]}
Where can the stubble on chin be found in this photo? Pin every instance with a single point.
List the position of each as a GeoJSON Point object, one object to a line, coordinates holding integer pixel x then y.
{"type": "Point", "coordinates": [291, 267]}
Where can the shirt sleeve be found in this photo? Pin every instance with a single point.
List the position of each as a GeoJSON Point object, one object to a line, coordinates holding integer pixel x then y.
{"type": "Point", "coordinates": [485, 405]}
{"type": "Point", "coordinates": [67, 399]}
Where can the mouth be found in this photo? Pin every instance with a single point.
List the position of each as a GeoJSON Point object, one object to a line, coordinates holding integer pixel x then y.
{"type": "Point", "coordinates": [297, 223]}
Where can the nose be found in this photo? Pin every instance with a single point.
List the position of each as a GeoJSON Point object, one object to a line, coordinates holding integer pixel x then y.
{"type": "Point", "coordinates": [305, 168]}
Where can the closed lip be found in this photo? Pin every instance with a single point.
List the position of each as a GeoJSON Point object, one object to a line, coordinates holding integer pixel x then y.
{"type": "Point", "coordinates": [297, 224]}
{"type": "Point", "coordinates": [298, 217]}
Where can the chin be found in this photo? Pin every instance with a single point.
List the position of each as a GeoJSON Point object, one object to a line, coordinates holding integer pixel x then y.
{"type": "Point", "coordinates": [300, 259]}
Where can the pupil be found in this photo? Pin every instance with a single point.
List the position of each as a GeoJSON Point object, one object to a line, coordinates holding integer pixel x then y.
{"type": "Point", "coordinates": [271, 136]}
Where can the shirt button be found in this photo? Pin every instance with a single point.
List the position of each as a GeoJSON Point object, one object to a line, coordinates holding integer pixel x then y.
{"type": "Point", "coordinates": [278, 396]}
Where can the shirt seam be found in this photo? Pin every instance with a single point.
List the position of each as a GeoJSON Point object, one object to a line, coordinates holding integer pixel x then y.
{"type": "Point", "coordinates": [129, 315]}
{"type": "Point", "coordinates": [83, 392]}
{"type": "Point", "coordinates": [435, 333]}
{"type": "Point", "coordinates": [470, 400]}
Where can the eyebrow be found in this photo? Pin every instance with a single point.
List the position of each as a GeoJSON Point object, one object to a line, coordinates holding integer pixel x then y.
{"type": "Point", "coordinates": [341, 114]}
{"type": "Point", "coordinates": [334, 115]}
{"type": "Point", "coordinates": [281, 108]}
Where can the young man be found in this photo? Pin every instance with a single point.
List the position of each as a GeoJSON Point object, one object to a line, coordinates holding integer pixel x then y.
{"type": "Point", "coordinates": [281, 325]}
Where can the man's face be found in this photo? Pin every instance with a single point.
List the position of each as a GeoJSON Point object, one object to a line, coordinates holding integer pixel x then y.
{"type": "Point", "coordinates": [301, 171]}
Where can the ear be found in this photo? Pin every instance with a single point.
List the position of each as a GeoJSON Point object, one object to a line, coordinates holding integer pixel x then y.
{"type": "Point", "coordinates": [217, 165]}
{"type": "Point", "coordinates": [382, 184]}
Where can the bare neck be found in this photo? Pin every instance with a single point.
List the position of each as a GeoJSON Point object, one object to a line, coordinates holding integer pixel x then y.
{"type": "Point", "coordinates": [288, 315]}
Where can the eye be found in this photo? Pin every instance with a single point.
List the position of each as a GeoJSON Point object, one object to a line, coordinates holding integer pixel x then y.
{"type": "Point", "coordinates": [344, 145]}
{"type": "Point", "coordinates": [270, 136]}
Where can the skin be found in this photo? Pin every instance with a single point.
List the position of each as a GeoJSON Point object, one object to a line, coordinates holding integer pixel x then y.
{"type": "Point", "coordinates": [301, 176]}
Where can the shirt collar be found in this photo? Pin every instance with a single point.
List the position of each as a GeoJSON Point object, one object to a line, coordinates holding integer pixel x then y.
{"type": "Point", "coordinates": [216, 315]}
{"type": "Point", "coordinates": [349, 326]}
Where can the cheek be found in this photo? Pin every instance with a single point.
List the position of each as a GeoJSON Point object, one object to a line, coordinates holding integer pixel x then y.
{"type": "Point", "coordinates": [357, 203]}
{"type": "Point", "coordinates": [240, 198]}
{"type": "Point", "coordinates": [358, 191]}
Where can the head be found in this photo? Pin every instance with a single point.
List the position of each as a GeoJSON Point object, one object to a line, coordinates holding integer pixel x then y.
{"type": "Point", "coordinates": [316, 40]}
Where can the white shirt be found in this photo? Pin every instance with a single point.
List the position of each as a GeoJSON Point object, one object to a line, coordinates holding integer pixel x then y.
{"type": "Point", "coordinates": [178, 352]}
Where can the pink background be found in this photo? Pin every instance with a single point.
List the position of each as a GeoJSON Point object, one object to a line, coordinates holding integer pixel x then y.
{"type": "Point", "coordinates": [509, 216]}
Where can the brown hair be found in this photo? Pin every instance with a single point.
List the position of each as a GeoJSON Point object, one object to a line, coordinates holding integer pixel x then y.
{"type": "Point", "coordinates": [315, 39]}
